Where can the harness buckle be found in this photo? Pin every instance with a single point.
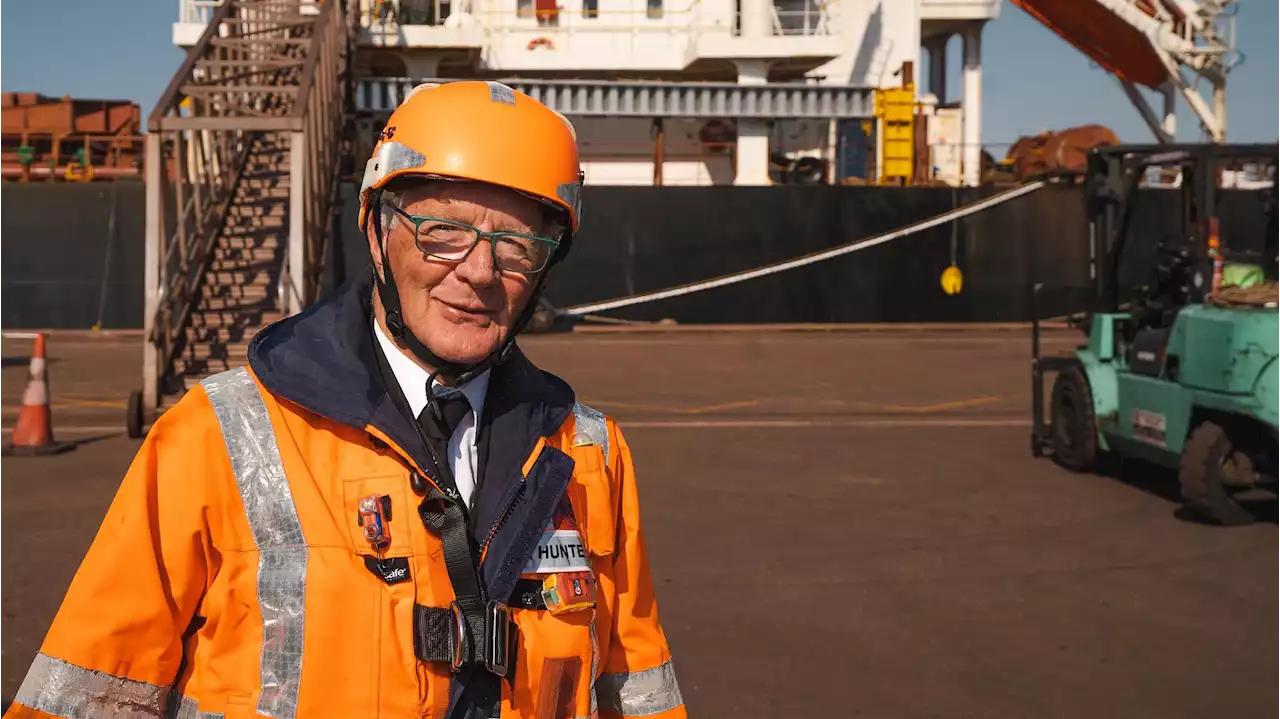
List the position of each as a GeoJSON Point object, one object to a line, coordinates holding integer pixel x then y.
{"type": "Point", "coordinates": [461, 639]}
{"type": "Point", "coordinates": [497, 637]}
{"type": "Point", "coordinates": [495, 649]}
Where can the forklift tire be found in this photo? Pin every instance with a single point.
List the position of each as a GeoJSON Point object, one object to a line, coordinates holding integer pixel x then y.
{"type": "Point", "coordinates": [1073, 431]}
{"type": "Point", "coordinates": [1200, 477]}
{"type": "Point", "coordinates": [133, 419]}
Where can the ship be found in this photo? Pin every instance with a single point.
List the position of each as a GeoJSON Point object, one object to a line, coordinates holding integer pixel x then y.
{"type": "Point", "coordinates": [716, 137]}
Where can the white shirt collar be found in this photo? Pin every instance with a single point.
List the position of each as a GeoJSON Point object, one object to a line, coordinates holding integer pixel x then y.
{"type": "Point", "coordinates": [413, 379]}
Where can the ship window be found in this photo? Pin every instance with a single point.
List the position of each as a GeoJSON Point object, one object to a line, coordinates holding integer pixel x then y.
{"type": "Point", "coordinates": [590, 8]}
{"type": "Point", "coordinates": [654, 8]}
{"type": "Point", "coordinates": [524, 8]}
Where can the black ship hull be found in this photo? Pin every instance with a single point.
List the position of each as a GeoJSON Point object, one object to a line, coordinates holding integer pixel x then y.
{"type": "Point", "coordinates": [62, 269]}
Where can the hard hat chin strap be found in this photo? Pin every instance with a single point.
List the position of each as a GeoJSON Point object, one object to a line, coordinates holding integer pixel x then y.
{"type": "Point", "coordinates": [459, 373]}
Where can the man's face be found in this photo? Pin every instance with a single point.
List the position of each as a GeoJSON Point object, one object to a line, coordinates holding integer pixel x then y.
{"type": "Point", "coordinates": [464, 310]}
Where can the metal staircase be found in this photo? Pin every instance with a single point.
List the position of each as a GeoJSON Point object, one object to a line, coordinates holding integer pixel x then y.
{"type": "Point", "coordinates": [242, 172]}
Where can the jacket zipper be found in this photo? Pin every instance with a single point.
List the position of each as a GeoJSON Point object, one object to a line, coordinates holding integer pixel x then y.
{"type": "Point", "coordinates": [502, 516]}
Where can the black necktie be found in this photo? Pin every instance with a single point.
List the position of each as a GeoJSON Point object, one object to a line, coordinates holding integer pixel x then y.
{"type": "Point", "coordinates": [439, 419]}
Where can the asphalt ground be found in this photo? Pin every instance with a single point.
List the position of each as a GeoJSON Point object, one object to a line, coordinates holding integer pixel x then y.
{"type": "Point", "coordinates": [840, 524]}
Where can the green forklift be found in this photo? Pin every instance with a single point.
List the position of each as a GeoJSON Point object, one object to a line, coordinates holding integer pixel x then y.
{"type": "Point", "coordinates": [1179, 370]}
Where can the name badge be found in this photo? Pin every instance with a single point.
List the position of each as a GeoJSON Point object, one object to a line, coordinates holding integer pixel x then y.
{"type": "Point", "coordinates": [559, 550]}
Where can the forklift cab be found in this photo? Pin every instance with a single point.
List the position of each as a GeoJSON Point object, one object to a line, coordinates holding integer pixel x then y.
{"type": "Point", "coordinates": [1191, 263]}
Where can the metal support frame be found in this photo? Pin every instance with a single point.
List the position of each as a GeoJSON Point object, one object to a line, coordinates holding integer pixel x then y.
{"type": "Point", "coordinates": [1202, 41]}
{"type": "Point", "coordinates": [151, 272]}
{"type": "Point", "coordinates": [295, 274]}
{"type": "Point", "coordinates": [1156, 125]}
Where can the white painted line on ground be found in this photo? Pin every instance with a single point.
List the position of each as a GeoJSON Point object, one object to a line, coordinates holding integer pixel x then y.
{"type": "Point", "coordinates": [833, 422]}
{"type": "Point", "coordinates": [708, 424]}
{"type": "Point", "coordinates": [77, 429]}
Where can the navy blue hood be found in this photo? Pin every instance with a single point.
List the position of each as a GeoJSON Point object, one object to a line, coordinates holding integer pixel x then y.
{"type": "Point", "coordinates": [324, 361]}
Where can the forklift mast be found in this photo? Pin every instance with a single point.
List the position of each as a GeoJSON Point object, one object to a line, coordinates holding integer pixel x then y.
{"type": "Point", "coordinates": [1113, 178]}
{"type": "Point", "coordinates": [1271, 243]}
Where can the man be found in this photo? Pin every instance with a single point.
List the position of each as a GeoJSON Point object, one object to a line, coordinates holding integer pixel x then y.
{"type": "Point", "coordinates": [391, 512]}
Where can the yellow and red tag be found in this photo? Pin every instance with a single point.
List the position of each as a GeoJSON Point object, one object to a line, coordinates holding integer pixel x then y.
{"type": "Point", "coordinates": [569, 591]}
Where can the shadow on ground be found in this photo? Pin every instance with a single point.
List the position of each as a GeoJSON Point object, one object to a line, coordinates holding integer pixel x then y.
{"type": "Point", "coordinates": [1163, 483]}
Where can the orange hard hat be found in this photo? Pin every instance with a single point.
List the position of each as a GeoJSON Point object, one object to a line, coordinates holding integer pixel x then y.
{"type": "Point", "coordinates": [481, 131]}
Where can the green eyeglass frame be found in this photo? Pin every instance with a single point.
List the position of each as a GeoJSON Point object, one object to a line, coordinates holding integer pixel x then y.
{"type": "Point", "coordinates": [540, 258]}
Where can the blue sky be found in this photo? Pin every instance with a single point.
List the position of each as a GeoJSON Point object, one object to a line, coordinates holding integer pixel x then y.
{"type": "Point", "coordinates": [1032, 81]}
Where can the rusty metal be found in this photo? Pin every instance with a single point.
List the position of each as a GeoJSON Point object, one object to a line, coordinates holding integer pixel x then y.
{"type": "Point", "coordinates": [1065, 151]}
{"type": "Point", "coordinates": [41, 134]}
{"type": "Point", "coordinates": [264, 77]}
{"type": "Point", "coordinates": [30, 112]}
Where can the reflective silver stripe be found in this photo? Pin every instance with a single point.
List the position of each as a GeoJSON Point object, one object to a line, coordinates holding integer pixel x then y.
{"type": "Point", "coordinates": [188, 708]}
{"type": "Point", "coordinates": [590, 428]}
{"type": "Point", "coordinates": [501, 93]}
{"type": "Point", "coordinates": [282, 551]}
{"type": "Point", "coordinates": [639, 694]}
{"type": "Point", "coordinates": [66, 690]}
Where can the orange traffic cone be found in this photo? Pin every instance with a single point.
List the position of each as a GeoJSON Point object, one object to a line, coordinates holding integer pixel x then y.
{"type": "Point", "coordinates": [34, 431]}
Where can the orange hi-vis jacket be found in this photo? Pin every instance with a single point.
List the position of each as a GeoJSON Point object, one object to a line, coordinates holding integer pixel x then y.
{"type": "Point", "coordinates": [233, 576]}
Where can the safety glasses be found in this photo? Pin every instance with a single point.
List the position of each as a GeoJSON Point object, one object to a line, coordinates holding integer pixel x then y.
{"type": "Point", "coordinates": [452, 241]}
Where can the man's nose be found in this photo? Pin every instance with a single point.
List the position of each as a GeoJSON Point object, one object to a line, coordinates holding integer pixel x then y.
{"type": "Point", "coordinates": [478, 268]}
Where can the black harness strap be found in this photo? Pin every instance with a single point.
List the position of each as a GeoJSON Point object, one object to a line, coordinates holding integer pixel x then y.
{"type": "Point", "coordinates": [444, 516]}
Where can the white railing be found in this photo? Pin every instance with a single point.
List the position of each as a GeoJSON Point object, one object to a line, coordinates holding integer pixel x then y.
{"type": "Point", "coordinates": [802, 18]}
{"type": "Point", "coordinates": [196, 11]}
{"type": "Point", "coordinates": [788, 17]}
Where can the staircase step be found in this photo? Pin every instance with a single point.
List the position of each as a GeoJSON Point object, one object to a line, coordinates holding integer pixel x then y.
{"type": "Point", "coordinates": [260, 208]}
{"type": "Point", "coordinates": [236, 304]}
{"type": "Point", "coordinates": [246, 267]}
{"type": "Point", "coordinates": [239, 278]}
{"type": "Point", "coordinates": [259, 222]}
{"type": "Point", "coordinates": [243, 292]}
{"type": "Point", "coordinates": [213, 318]}
{"type": "Point", "coordinates": [249, 243]}
{"type": "Point", "coordinates": [275, 193]}
{"type": "Point", "coordinates": [188, 367]}
{"type": "Point", "coordinates": [256, 259]}
{"type": "Point", "coordinates": [205, 336]}
{"type": "Point", "coordinates": [229, 351]}
{"type": "Point", "coordinates": [264, 183]}
{"type": "Point", "coordinates": [223, 256]}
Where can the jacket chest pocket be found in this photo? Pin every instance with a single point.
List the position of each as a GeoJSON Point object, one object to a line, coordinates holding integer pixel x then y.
{"type": "Point", "coordinates": [591, 495]}
{"type": "Point", "coordinates": [556, 663]}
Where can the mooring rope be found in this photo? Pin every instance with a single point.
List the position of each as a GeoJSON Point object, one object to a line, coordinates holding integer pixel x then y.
{"type": "Point", "coordinates": [1264, 295]}
{"type": "Point", "coordinates": [803, 260]}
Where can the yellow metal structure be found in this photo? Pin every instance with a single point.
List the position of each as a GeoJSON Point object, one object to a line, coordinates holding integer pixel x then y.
{"type": "Point", "coordinates": [895, 113]}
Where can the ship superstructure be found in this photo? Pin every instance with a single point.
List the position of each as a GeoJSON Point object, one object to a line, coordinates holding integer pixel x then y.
{"type": "Point", "coordinates": [648, 82]}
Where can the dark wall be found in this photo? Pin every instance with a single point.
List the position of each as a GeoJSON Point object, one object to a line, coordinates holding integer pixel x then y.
{"type": "Point", "coordinates": [56, 243]}
{"type": "Point", "coordinates": [637, 239]}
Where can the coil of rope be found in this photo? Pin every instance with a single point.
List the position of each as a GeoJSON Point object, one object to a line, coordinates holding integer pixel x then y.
{"type": "Point", "coordinates": [1265, 295]}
